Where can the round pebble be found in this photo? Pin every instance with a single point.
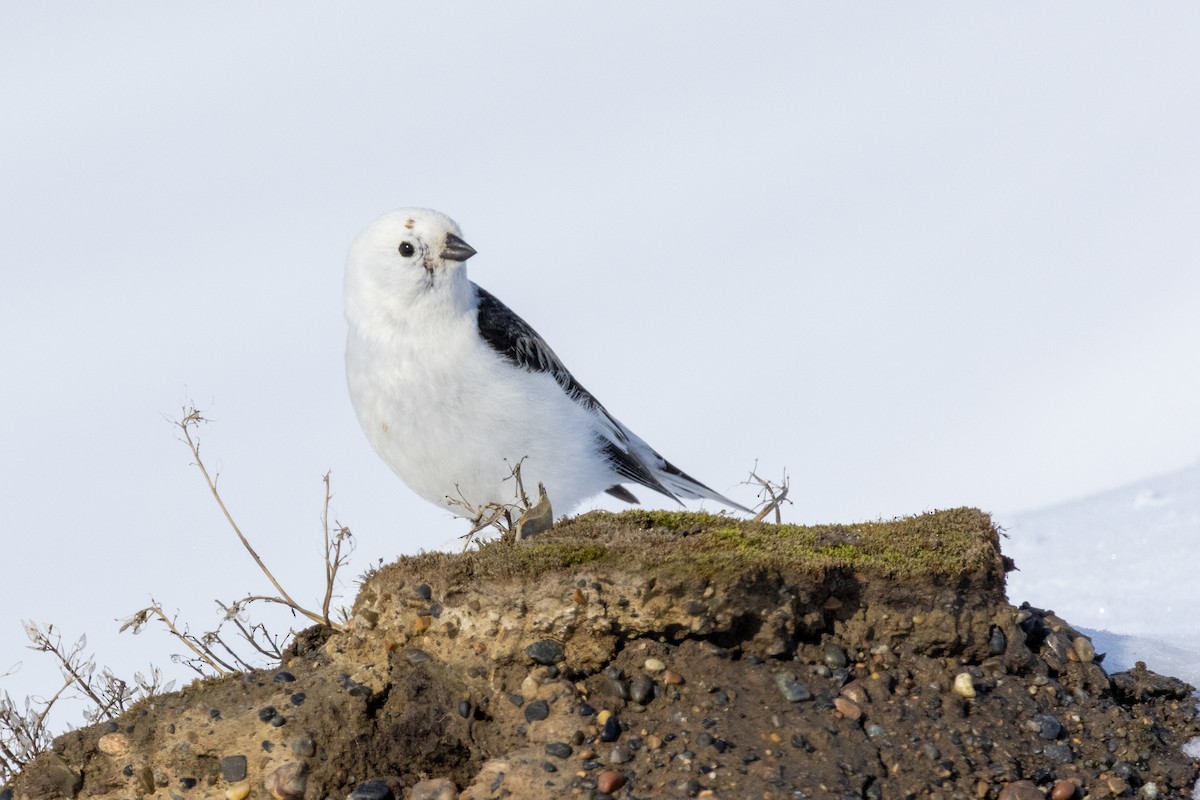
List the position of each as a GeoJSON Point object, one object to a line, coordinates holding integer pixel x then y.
{"type": "Point", "coordinates": [1064, 789]}
{"type": "Point", "coordinates": [464, 709]}
{"type": "Point", "coordinates": [611, 731]}
{"type": "Point", "coordinates": [559, 750]}
{"type": "Point", "coordinates": [304, 746]}
{"type": "Point", "coordinates": [609, 781]}
{"type": "Point", "coordinates": [964, 686]}
{"type": "Point", "coordinates": [620, 755]}
{"type": "Point", "coordinates": [372, 790]}
{"type": "Point", "coordinates": [298, 698]}
{"type": "Point", "coordinates": [545, 652]}
{"type": "Point", "coordinates": [1084, 649]}
{"type": "Point", "coordinates": [289, 781]}
{"type": "Point", "coordinates": [424, 592]}
{"type": "Point", "coordinates": [1048, 727]}
{"type": "Point", "coordinates": [284, 677]}
{"type": "Point", "coordinates": [654, 665]}
{"type": "Point", "coordinates": [998, 642]}
{"type": "Point", "coordinates": [848, 708]}
{"type": "Point", "coordinates": [1021, 790]}
{"type": "Point", "coordinates": [586, 710]}
{"type": "Point", "coordinates": [113, 744]}
{"type": "Point", "coordinates": [239, 792]}
{"type": "Point", "coordinates": [267, 713]}
{"type": "Point", "coordinates": [641, 689]}
{"type": "Point", "coordinates": [835, 657]}
{"type": "Point", "coordinates": [537, 710]}
{"type": "Point", "coordinates": [672, 678]}
{"type": "Point", "coordinates": [415, 655]}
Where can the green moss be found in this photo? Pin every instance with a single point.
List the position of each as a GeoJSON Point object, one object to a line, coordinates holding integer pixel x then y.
{"type": "Point", "coordinates": [942, 544]}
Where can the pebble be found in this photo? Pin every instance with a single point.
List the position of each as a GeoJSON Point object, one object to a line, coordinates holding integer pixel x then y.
{"type": "Point", "coordinates": [1047, 726]}
{"type": "Point", "coordinates": [964, 686]}
{"type": "Point", "coordinates": [1059, 752]}
{"type": "Point", "coordinates": [239, 792]}
{"type": "Point", "coordinates": [464, 709]}
{"type": "Point", "coordinates": [113, 744]}
{"type": "Point", "coordinates": [1084, 649]}
{"type": "Point", "coordinates": [586, 710]}
{"type": "Point", "coordinates": [372, 790]}
{"type": "Point", "coordinates": [654, 665]}
{"type": "Point", "coordinates": [835, 657]}
{"type": "Point", "coordinates": [848, 708]}
{"type": "Point", "coordinates": [1064, 789]}
{"type": "Point", "coordinates": [609, 781]}
{"type": "Point", "coordinates": [414, 655]}
{"type": "Point", "coordinates": [298, 698]}
{"type": "Point", "coordinates": [537, 711]}
{"type": "Point", "coordinates": [998, 642]}
{"type": "Point", "coordinates": [304, 746]}
{"type": "Point", "coordinates": [423, 592]}
{"type": "Point", "coordinates": [641, 689]}
{"type": "Point", "coordinates": [1021, 790]}
{"type": "Point", "coordinates": [620, 755]}
{"type": "Point", "coordinates": [267, 713]}
{"type": "Point", "coordinates": [233, 768]}
{"type": "Point", "coordinates": [284, 677]}
{"type": "Point", "coordinates": [653, 742]}
{"type": "Point", "coordinates": [288, 782]}
{"type": "Point", "coordinates": [672, 678]}
{"type": "Point", "coordinates": [611, 731]}
{"type": "Point", "coordinates": [66, 780]}
{"type": "Point", "coordinates": [792, 690]}
{"type": "Point", "coordinates": [1149, 791]}
{"type": "Point", "coordinates": [545, 652]}
{"type": "Point", "coordinates": [559, 750]}
{"type": "Point", "coordinates": [516, 699]}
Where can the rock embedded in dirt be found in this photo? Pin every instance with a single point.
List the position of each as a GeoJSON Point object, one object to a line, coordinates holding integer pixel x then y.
{"type": "Point", "coordinates": [876, 660]}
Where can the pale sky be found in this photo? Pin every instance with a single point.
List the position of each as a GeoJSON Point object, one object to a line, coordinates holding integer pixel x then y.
{"type": "Point", "coordinates": [921, 256]}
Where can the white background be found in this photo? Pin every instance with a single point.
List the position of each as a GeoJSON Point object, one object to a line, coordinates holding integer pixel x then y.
{"type": "Point", "coordinates": [921, 256]}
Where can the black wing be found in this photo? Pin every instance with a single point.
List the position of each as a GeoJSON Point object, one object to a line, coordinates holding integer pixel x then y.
{"type": "Point", "coordinates": [519, 344]}
{"type": "Point", "coordinates": [516, 340]}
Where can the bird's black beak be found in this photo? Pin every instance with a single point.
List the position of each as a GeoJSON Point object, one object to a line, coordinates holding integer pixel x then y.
{"type": "Point", "coordinates": [456, 249]}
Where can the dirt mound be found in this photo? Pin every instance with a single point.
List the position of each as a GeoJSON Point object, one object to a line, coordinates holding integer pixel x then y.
{"type": "Point", "coordinates": [655, 655]}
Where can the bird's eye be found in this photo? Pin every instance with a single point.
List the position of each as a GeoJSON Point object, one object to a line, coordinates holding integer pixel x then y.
{"type": "Point", "coordinates": [406, 249]}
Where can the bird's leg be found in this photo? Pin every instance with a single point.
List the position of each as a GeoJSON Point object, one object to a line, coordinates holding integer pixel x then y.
{"type": "Point", "coordinates": [538, 519]}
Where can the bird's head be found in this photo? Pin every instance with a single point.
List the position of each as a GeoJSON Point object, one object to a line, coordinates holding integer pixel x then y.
{"type": "Point", "coordinates": [404, 256]}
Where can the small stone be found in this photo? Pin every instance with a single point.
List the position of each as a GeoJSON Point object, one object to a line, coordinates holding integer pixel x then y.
{"type": "Point", "coordinates": [609, 781]}
{"type": "Point", "coordinates": [653, 665]}
{"type": "Point", "coordinates": [288, 782]}
{"type": "Point", "coordinates": [672, 678]}
{"type": "Point", "coordinates": [611, 731]}
{"type": "Point", "coordinates": [304, 746]}
{"type": "Point", "coordinates": [423, 592]}
{"type": "Point", "coordinates": [1149, 791]}
{"type": "Point", "coordinates": [875, 730]}
{"type": "Point", "coordinates": [278, 721]}
{"type": "Point", "coordinates": [997, 642]}
{"type": "Point", "coordinates": [1116, 785]}
{"type": "Point", "coordinates": [603, 716]}
{"type": "Point", "coordinates": [298, 698]}
{"type": "Point", "coordinates": [586, 710]}
{"type": "Point", "coordinates": [559, 750]}
{"type": "Point", "coordinates": [238, 792]}
{"type": "Point", "coordinates": [545, 652]}
{"type": "Point", "coordinates": [284, 677]}
{"type": "Point", "coordinates": [549, 767]}
{"type": "Point", "coordinates": [187, 783]}
{"type": "Point", "coordinates": [1084, 649]}
{"type": "Point", "coordinates": [373, 790]}
{"type": "Point", "coordinates": [620, 755]}
{"type": "Point", "coordinates": [433, 789]}
{"type": "Point", "coordinates": [792, 690]}
{"type": "Point", "coordinates": [267, 713]}
{"type": "Point", "coordinates": [653, 742]}
{"type": "Point", "coordinates": [964, 686]}
{"type": "Point", "coordinates": [464, 709]}
{"type": "Point", "coordinates": [1021, 790]}
{"type": "Point", "coordinates": [835, 657]}
{"type": "Point", "coordinates": [696, 608]}
{"type": "Point", "coordinates": [1064, 789]}
{"type": "Point", "coordinates": [1059, 752]}
{"type": "Point", "coordinates": [848, 708]}
{"type": "Point", "coordinates": [516, 699]}
{"type": "Point", "coordinates": [113, 744]}
{"type": "Point", "coordinates": [641, 689]}
{"type": "Point", "coordinates": [415, 655]}
{"type": "Point", "coordinates": [233, 768]}
{"type": "Point", "coordinates": [1047, 726]}
{"type": "Point", "coordinates": [537, 711]}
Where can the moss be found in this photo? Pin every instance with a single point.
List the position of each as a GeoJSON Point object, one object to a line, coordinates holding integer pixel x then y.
{"type": "Point", "coordinates": [940, 545]}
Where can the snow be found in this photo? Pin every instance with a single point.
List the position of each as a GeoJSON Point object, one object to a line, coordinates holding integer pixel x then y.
{"type": "Point", "coordinates": [1122, 564]}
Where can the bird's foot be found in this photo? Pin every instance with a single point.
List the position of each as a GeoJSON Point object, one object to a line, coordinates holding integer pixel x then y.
{"type": "Point", "coordinates": [538, 518]}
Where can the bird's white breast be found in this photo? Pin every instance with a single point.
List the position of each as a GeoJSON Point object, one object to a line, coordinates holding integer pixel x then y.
{"type": "Point", "coordinates": [451, 417]}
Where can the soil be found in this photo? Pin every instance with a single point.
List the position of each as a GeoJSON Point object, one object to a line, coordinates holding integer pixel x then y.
{"type": "Point", "coordinates": [651, 655]}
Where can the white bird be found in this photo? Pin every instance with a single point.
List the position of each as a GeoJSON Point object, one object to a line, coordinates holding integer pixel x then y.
{"type": "Point", "coordinates": [453, 389]}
